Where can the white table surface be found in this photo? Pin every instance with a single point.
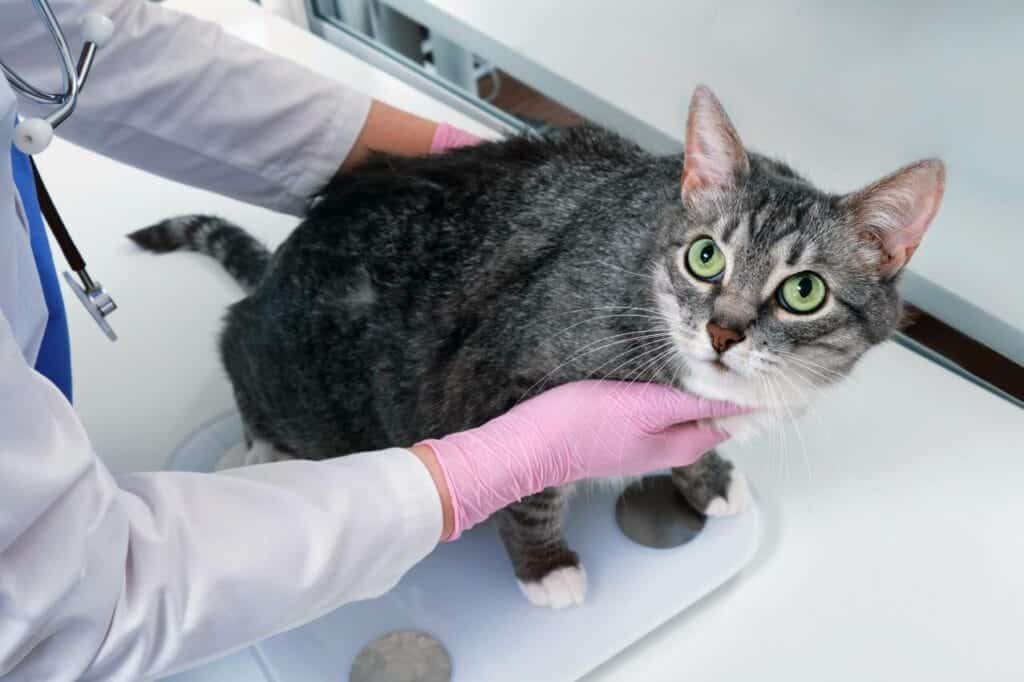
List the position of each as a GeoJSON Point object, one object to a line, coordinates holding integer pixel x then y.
{"type": "Point", "coordinates": [846, 94]}
{"type": "Point", "coordinates": [898, 556]}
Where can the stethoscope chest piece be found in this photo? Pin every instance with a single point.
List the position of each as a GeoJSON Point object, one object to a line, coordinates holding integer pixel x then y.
{"type": "Point", "coordinates": [97, 302]}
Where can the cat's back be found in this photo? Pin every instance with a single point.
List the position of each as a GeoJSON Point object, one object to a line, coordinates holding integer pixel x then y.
{"type": "Point", "coordinates": [399, 266]}
{"type": "Point", "coordinates": [573, 159]}
{"type": "Point", "coordinates": [479, 194]}
{"type": "Point", "coordinates": [464, 218]}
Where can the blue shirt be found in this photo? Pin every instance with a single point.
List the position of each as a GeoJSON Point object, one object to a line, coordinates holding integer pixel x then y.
{"type": "Point", "coordinates": [54, 360]}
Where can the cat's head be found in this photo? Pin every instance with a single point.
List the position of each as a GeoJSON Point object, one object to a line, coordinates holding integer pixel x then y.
{"type": "Point", "coordinates": [771, 287]}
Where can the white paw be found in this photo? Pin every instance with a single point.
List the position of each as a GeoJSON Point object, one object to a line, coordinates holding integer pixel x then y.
{"type": "Point", "coordinates": [558, 589]}
{"type": "Point", "coordinates": [737, 498]}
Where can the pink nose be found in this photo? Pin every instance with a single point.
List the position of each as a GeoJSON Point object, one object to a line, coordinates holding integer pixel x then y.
{"type": "Point", "coordinates": [722, 339]}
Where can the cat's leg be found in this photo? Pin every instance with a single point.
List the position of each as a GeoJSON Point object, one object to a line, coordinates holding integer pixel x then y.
{"type": "Point", "coordinates": [548, 572]}
{"type": "Point", "coordinates": [713, 486]}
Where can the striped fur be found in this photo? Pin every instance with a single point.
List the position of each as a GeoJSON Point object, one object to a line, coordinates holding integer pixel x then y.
{"type": "Point", "coordinates": [705, 480]}
{"type": "Point", "coordinates": [244, 258]}
{"type": "Point", "coordinates": [532, 532]}
{"type": "Point", "coordinates": [425, 296]}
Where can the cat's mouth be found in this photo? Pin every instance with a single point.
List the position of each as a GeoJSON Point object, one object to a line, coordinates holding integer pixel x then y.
{"type": "Point", "coordinates": [720, 366]}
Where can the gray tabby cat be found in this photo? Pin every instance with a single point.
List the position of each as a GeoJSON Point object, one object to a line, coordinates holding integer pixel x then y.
{"type": "Point", "coordinates": [425, 296]}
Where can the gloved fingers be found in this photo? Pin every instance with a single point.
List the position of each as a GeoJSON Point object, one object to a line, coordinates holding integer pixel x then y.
{"type": "Point", "coordinates": [656, 406]}
{"type": "Point", "coordinates": [686, 407]}
{"type": "Point", "coordinates": [449, 137]}
{"type": "Point", "coordinates": [683, 444]}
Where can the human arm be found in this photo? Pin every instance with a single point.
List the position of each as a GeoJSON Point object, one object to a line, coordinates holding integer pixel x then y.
{"type": "Point", "coordinates": [394, 131]}
{"type": "Point", "coordinates": [179, 97]}
{"type": "Point", "coordinates": [428, 458]}
{"type": "Point", "coordinates": [585, 429]}
{"type": "Point", "coordinates": [104, 579]}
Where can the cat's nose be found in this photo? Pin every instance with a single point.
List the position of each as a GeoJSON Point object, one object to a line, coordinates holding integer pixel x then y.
{"type": "Point", "coordinates": [723, 338]}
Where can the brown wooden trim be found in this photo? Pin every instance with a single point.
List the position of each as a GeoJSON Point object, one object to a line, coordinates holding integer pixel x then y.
{"type": "Point", "coordinates": [975, 357]}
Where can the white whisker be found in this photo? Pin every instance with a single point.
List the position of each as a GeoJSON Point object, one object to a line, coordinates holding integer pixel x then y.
{"type": "Point", "coordinates": [622, 269]}
{"type": "Point", "coordinates": [610, 374]}
{"type": "Point", "coordinates": [601, 308]}
{"type": "Point", "coordinates": [630, 337]}
{"type": "Point", "coordinates": [800, 437]}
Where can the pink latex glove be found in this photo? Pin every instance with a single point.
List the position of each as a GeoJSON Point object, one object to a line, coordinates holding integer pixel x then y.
{"type": "Point", "coordinates": [586, 429]}
{"type": "Point", "coordinates": [449, 137]}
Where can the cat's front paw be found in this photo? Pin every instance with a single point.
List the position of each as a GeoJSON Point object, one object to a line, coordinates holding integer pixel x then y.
{"type": "Point", "coordinates": [737, 498]}
{"type": "Point", "coordinates": [713, 486]}
{"type": "Point", "coordinates": [562, 587]}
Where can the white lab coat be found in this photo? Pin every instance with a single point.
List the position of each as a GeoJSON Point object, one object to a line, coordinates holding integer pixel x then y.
{"type": "Point", "coordinates": [129, 578]}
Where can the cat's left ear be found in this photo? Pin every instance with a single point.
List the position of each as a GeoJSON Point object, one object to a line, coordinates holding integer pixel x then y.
{"type": "Point", "coordinates": [896, 211]}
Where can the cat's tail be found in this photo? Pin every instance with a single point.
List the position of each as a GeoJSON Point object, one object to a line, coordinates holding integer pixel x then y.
{"type": "Point", "coordinates": [240, 253]}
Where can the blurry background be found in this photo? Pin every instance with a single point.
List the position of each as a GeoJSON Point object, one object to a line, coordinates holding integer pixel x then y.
{"type": "Point", "coordinates": [844, 93]}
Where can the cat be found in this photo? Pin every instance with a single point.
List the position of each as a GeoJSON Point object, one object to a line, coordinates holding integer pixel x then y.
{"type": "Point", "coordinates": [423, 296]}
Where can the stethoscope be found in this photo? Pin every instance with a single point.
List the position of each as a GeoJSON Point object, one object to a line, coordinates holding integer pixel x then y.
{"type": "Point", "coordinates": [33, 135]}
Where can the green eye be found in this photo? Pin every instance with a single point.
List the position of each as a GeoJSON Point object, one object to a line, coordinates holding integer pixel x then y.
{"type": "Point", "coordinates": [705, 260]}
{"type": "Point", "coordinates": [802, 293]}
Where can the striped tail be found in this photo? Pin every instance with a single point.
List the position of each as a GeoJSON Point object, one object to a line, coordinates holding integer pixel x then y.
{"type": "Point", "coordinates": [242, 256]}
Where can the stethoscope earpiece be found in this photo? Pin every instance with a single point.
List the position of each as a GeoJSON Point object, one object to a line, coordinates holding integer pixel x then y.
{"type": "Point", "coordinates": [32, 136]}
{"type": "Point", "coordinates": [97, 29]}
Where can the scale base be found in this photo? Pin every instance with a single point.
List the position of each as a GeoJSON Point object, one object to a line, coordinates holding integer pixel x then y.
{"type": "Point", "coordinates": [465, 596]}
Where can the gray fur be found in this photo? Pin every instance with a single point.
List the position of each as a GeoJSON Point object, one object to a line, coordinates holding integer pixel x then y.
{"type": "Point", "coordinates": [704, 480]}
{"type": "Point", "coordinates": [243, 257]}
{"type": "Point", "coordinates": [532, 533]}
{"type": "Point", "coordinates": [425, 296]}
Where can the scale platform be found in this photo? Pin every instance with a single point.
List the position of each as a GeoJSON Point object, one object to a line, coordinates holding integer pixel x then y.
{"type": "Point", "coordinates": [465, 596]}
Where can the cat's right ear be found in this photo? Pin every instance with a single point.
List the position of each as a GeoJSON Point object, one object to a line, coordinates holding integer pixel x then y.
{"type": "Point", "coordinates": [715, 159]}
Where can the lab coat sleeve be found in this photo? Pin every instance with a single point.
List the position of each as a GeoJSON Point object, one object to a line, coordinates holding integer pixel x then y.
{"type": "Point", "coordinates": [178, 97]}
{"type": "Point", "coordinates": [124, 579]}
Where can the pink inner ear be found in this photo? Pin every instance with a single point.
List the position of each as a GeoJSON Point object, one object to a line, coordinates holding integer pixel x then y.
{"type": "Point", "coordinates": [898, 210]}
{"type": "Point", "coordinates": [714, 153]}
{"type": "Point", "coordinates": [704, 169]}
{"type": "Point", "coordinates": [901, 244]}
{"type": "Point", "coordinates": [692, 180]}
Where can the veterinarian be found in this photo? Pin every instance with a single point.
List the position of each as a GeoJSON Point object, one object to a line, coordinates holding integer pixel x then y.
{"type": "Point", "coordinates": [105, 578]}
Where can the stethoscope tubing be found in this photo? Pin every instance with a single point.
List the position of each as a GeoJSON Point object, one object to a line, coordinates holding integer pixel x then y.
{"type": "Point", "coordinates": [70, 81]}
{"type": "Point", "coordinates": [32, 136]}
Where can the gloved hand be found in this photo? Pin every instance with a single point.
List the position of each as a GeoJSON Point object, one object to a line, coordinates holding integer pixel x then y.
{"type": "Point", "coordinates": [449, 137]}
{"type": "Point", "coordinates": [581, 430]}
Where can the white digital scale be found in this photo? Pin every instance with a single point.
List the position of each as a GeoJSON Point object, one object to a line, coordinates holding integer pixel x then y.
{"type": "Point", "coordinates": [464, 596]}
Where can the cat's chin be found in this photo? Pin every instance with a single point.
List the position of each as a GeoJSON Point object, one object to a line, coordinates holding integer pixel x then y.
{"type": "Point", "coordinates": [716, 382]}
